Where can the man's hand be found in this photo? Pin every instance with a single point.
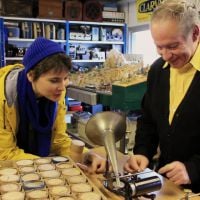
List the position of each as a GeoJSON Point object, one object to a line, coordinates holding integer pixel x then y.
{"type": "Point", "coordinates": [136, 163]}
{"type": "Point", "coordinates": [93, 163]}
{"type": "Point", "coordinates": [176, 172]}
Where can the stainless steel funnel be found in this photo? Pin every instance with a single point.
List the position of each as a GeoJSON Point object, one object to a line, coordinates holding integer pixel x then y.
{"type": "Point", "coordinates": [105, 129]}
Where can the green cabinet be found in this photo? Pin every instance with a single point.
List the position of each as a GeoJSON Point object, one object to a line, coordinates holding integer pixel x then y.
{"type": "Point", "coordinates": [124, 97]}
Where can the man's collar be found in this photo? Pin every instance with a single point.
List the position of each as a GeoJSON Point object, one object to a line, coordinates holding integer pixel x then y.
{"type": "Point", "coordinates": [195, 61]}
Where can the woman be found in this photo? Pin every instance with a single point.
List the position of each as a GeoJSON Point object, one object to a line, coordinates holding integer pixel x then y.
{"type": "Point", "coordinates": [32, 106]}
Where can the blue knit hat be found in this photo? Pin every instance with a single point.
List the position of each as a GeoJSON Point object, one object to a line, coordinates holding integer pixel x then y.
{"type": "Point", "coordinates": [40, 49]}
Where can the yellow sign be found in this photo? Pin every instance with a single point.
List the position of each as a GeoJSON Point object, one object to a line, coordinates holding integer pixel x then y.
{"type": "Point", "coordinates": [145, 8]}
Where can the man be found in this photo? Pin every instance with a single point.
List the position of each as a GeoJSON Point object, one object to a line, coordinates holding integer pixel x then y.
{"type": "Point", "coordinates": [171, 105]}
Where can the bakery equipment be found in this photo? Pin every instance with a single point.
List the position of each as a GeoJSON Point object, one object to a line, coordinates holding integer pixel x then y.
{"type": "Point", "coordinates": [106, 128]}
{"type": "Point", "coordinates": [46, 181]}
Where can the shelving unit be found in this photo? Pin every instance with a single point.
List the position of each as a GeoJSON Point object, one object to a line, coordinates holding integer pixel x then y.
{"type": "Point", "coordinates": [95, 50]}
{"type": "Point", "coordinates": [2, 50]}
{"type": "Point", "coordinates": [20, 43]}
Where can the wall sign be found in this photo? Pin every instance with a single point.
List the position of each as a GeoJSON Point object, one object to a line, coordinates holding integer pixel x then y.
{"type": "Point", "coordinates": [144, 8]}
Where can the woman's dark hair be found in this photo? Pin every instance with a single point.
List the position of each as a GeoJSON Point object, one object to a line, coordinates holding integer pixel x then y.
{"type": "Point", "coordinates": [58, 62]}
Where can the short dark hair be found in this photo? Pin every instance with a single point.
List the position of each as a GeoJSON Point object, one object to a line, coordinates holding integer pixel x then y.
{"type": "Point", "coordinates": [58, 62]}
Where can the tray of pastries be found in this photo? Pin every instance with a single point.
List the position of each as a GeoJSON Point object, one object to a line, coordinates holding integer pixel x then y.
{"type": "Point", "coordinates": [51, 178]}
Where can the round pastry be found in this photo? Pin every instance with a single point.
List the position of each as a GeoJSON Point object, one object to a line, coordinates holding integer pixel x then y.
{"type": "Point", "coordinates": [76, 179]}
{"type": "Point", "coordinates": [59, 191]}
{"type": "Point", "coordinates": [90, 195]}
{"type": "Point", "coordinates": [24, 162]}
{"type": "Point", "coordinates": [41, 161]}
{"type": "Point", "coordinates": [50, 174]}
{"type": "Point", "coordinates": [27, 169]}
{"type": "Point", "coordinates": [13, 196]}
{"type": "Point", "coordinates": [8, 171]}
{"type": "Point", "coordinates": [58, 159]}
{"type": "Point", "coordinates": [81, 187]}
{"type": "Point", "coordinates": [37, 194]}
{"type": "Point", "coordinates": [9, 178]}
{"type": "Point", "coordinates": [71, 172]}
{"type": "Point", "coordinates": [32, 185]}
{"type": "Point", "coordinates": [9, 187]}
{"type": "Point", "coordinates": [54, 182]}
{"type": "Point", "coordinates": [30, 177]}
{"type": "Point", "coordinates": [64, 165]}
{"type": "Point", "coordinates": [65, 198]}
{"type": "Point", "coordinates": [46, 167]}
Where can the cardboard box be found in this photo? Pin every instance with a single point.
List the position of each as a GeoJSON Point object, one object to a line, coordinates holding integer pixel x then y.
{"type": "Point", "coordinates": [51, 9]}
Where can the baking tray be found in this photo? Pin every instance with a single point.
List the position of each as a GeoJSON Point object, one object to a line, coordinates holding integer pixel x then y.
{"type": "Point", "coordinates": [23, 183]}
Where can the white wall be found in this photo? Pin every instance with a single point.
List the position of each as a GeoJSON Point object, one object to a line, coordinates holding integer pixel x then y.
{"type": "Point", "coordinates": [136, 42]}
{"type": "Point", "coordinates": [129, 7]}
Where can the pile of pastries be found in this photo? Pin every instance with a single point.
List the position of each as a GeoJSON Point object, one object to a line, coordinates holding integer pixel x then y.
{"type": "Point", "coordinates": [56, 178]}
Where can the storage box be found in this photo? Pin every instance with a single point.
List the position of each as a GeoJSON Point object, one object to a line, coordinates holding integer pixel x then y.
{"type": "Point", "coordinates": [51, 9]}
{"type": "Point", "coordinates": [18, 8]}
{"type": "Point", "coordinates": [92, 11]}
{"type": "Point", "coordinates": [73, 10]}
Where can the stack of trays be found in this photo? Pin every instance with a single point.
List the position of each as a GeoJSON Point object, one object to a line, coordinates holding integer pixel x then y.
{"type": "Point", "coordinates": [55, 178]}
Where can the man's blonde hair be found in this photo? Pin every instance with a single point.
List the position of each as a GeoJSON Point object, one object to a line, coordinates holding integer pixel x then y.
{"type": "Point", "coordinates": [185, 12]}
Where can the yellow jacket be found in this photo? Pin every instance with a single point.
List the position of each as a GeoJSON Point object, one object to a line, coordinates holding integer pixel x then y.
{"type": "Point", "coordinates": [60, 144]}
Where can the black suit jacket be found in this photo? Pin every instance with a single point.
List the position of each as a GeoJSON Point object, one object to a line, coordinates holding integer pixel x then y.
{"type": "Point", "coordinates": [179, 141]}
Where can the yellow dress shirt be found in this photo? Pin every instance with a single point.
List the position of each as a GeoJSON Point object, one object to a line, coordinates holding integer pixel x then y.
{"type": "Point", "coordinates": [180, 80]}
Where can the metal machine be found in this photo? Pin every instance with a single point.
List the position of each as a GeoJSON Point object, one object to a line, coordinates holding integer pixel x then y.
{"type": "Point", "coordinates": [105, 129]}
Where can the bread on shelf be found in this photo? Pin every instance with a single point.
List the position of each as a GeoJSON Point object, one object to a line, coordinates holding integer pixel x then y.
{"type": "Point", "coordinates": [76, 179]}
{"type": "Point", "coordinates": [46, 167]}
{"type": "Point", "coordinates": [41, 161]}
{"type": "Point", "coordinates": [54, 182]}
{"type": "Point", "coordinates": [59, 191]}
{"type": "Point", "coordinates": [28, 169]}
{"type": "Point", "coordinates": [71, 172]}
{"type": "Point", "coordinates": [81, 187]}
{"type": "Point", "coordinates": [13, 196]}
{"type": "Point", "coordinates": [90, 195]}
{"type": "Point", "coordinates": [9, 178]}
{"type": "Point", "coordinates": [30, 177]}
{"type": "Point", "coordinates": [24, 162]}
{"type": "Point", "coordinates": [7, 171]}
{"type": "Point", "coordinates": [37, 194]}
{"type": "Point", "coordinates": [50, 174]}
{"type": "Point", "coordinates": [9, 187]}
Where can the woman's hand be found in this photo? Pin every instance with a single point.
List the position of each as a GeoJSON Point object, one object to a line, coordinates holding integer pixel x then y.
{"type": "Point", "coordinates": [93, 163]}
{"type": "Point", "coordinates": [136, 163]}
